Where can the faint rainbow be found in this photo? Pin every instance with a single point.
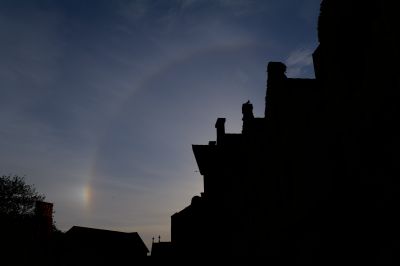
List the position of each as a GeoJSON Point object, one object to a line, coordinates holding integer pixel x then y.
{"type": "Point", "coordinates": [88, 190]}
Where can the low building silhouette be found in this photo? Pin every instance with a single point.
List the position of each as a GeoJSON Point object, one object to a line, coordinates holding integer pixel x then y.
{"type": "Point", "coordinates": [316, 178]}
{"type": "Point", "coordinates": [84, 245]}
{"type": "Point", "coordinates": [162, 250]}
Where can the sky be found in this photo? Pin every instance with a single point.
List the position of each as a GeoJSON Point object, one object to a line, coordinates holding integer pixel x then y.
{"type": "Point", "coordinates": [100, 101]}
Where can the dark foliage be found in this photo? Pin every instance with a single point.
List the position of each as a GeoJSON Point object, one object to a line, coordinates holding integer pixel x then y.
{"type": "Point", "coordinates": [16, 197]}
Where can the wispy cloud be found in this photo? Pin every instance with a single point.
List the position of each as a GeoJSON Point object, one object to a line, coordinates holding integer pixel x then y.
{"type": "Point", "coordinates": [308, 9]}
{"type": "Point", "coordinates": [134, 9]}
{"type": "Point", "coordinates": [298, 62]}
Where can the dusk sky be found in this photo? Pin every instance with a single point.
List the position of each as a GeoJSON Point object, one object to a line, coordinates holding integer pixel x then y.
{"type": "Point", "coordinates": [100, 101]}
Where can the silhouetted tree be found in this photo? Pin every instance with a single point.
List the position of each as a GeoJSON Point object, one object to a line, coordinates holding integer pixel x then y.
{"type": "Point", "coordinates": [17, 199]}
{"type": "Point", "coordinates": [27, 230]}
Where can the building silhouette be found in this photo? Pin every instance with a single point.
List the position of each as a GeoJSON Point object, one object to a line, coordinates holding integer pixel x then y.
{"type": "Point", "coordinates": [34, 240]}
{"type": "Point", "coordinates": [161, 250]}
{"type": "Point", "coordinates": [317, 178]}
{"type": "Point", "coordinates": [92, 246]}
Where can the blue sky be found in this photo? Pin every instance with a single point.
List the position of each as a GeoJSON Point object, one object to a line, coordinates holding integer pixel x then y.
{"type": "Point", "coordinates": [100, 101]}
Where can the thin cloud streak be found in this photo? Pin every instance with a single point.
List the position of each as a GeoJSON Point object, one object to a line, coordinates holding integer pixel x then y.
{"type": "Point", "coordinates": [298, 61]}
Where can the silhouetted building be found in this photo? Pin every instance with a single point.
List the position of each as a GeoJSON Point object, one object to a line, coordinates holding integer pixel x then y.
{"type": "Point", "coordinates": [317, 178]}
{"type": "Point", "coordinates": [44, 218]}
{"type": "Point", "coordinates": [84, 245]}
{"type": "Point", "coordinates": [162, 250]}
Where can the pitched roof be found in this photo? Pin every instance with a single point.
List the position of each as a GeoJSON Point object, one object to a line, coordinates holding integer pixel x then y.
{"type": "Point", "coordinates": [102, 236]}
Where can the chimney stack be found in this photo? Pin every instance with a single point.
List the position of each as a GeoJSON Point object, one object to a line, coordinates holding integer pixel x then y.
{"type": "Point", "coordinates": [276, 75]}
{"type": "Point", "coordinates": [220, 126]}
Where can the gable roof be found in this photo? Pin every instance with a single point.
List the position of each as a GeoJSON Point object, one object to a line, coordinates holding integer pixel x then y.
{"type": "Point", "coordinates": [96, 236]}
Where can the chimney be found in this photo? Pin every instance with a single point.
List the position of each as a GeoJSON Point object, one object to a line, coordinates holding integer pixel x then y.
{"type": "Point", "coordinates": [220, 126]}
{"type": "Point", "coordinates": [276, 75]}
{"type": "Point", "coordinates": [247, 111]}
{"type": "Point", "coordinates": [276, 71]}
{"type": "Point", "coordinates": [44, 217]}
